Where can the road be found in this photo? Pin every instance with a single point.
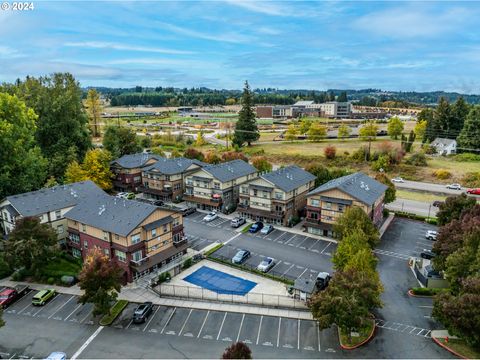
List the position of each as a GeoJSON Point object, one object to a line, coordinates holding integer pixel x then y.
{"type": "Point", "coordinates": [412, 206]}
{"type": "Point", "coordinates": [428, 187]}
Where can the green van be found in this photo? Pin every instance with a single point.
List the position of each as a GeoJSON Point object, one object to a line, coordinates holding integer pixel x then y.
{"type": "Point", "coordinates": [43, 296]}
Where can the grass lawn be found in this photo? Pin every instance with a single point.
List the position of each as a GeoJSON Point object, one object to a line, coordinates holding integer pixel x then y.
{"type": "Point", "coordinates": [114, 312]}
{"type": "Point", "coordinates": [418, 196]}
{"type": "Point", "coordinates": [60, 266]}
{"type": "Point", "coordinates": [363, 335]}
{"type": "Point", "coordinates": [462, 348]}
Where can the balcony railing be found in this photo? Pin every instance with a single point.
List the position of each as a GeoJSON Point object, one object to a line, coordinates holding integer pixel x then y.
{"type": "Point", "coordinates": [180, 242]}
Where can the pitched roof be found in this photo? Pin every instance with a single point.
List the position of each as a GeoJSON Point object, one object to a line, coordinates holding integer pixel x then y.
{"type": "Point", "coordinates": [134, 160]}
{"type": "Point", "coordinates": [358, 185]}
{"type": "Point", "coordinates": [443, 142]}
{"type": "Point", "coordinates": [289, 178]}
{"type": "Point", "coordinates": [230, 170]}
{"type": "Point", "coordinates": [109, 213]}
{"type": "Point", "coordinates": [303, 103]}
{"type": "Point", "coordinates": [173, 166]}
{"type": "Point", "coordinates": [57, 197]}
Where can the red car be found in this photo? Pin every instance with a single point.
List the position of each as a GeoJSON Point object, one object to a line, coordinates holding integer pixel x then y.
{"type": "Point", "coordinates": [473, 191]}
{"type": "Point", "coordinates": [9, 295]}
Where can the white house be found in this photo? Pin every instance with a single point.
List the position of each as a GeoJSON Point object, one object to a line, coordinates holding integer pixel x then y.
{"type": "Point", "coordinates": [444, 146]}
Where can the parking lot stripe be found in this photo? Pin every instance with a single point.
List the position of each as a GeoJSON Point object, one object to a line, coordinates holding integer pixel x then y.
{"type": "Point", "coordinates": [290, 268]}
{"type": "Point", "coordinates": [318, 336]}
{"type": "Point", "coordinates": [315, 243]}
{"type": "Point", "coordinates": [259, 327]}
{"type": "Point", "coordinates": [278, 237]}
{"type": "Point", "coordinates": [23, 309]}
{"type": "Point", "coordinates": [58, 309]}
{"type": "Point", "coordinates": [149, 321]}
{"type": "Point", "coordinates": [240, 329]}
{"type": "Point", "coordinates": [233, 237]}
{"type": "Point", "coordinates": [301, 242]}
{"type": "Point", "coordinates": [293, 237]}
{"type": "Point", "coordinates": [298, 335]}
{"type": "Point", "coordinates": [203, 324]}
{"type": "Point", "coordinates": [325, 248]}
{"type": "Point", "coordinates": [169, 318]}
{"type": "Point", "coordinates": [84, 346]}
{"type": "Point", "coordinates": [303, 273]}
{"type": "Point", "coordinates": [185, 323]}
{"type": "Point", "coordinates": [78, 307]}
{"type": "Point", "coordinates": [13, 356]}
{"type": "Point", "coordinates": [278, 334]}
{"type": "Point", "coordinates": [221, 326]}
{"type": "Point", "coordinates": [85, 318]}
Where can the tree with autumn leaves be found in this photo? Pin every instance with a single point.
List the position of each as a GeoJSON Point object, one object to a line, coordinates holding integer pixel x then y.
{"type": "Point", "coordinates": [100, 279]}
{"type": "Point", "coordinates": [95, 167]}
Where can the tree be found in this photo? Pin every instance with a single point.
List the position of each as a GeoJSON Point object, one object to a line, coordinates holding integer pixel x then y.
{"type": "Point", "coordinates": [391, 192]}
{"type": "Point", "coordinates": [368, 131]}
{"type": "Point", "coordinates": [230, 101]}
{"type": "Point", "coordinates": [344, 131]}
{"type": "Point", "coordinates": [74, 173]}
{"type": "Point", "coordinates": [438, 125]}
{"type": "Point", "coordinates": [100, 280]}
{"type": "Point", "coordinates": [324, 174]}
{"type": "Point", "coordinates": [261, 164]}
{"type": "Point", "coordinates": [30, 244]}
{"type": "Point", "coordinates": [355, 219]}
{"type": "Point", "coordinates": [317, 132]}
{"type": "Point", "coordinates": [233, 155]}
{"type": "Point", "coordinates": [420, 129]}
{"type": "Point", "coordinates": [291, 133]}
{"type": "Point", "coordinates": [95, 167]}
{"type": "Point", "coordinates": [342, 97]}
{"type": "Point", "coordinates": [2, 323]}
{"type": "Point", "coordinates": [120, 141]}
{"type": "Point", "coordinates": [200, 141]}
{"type": "Point", "coordinates": [411, 140]}
{"type": "Point", "coordinates": [305, 126]}
{"type": "Point", "coordinates": [460, 111]}
{"type": "Point", "coordinates": [22, 166]}
{"type": "Point", "coordinates": [94, 110]}
{"type": "Point", "coordinates": [347, 301]}
{"type": "Point", "coordinates": [238, 350]}
{"type": "Point", "coordinates": [246, 130]}
{"type": "Point", "coordinates": [469, 138]}
{"type": "Point", "coordinates": [350, 245]}
{"type": "Point", "coordinates": [330, 152]}
{"type": "Point", "coordinates": [453, 207]}
{"type": "Point", "coordinates": [192, 153]}
{"type": "Point", "coordinates": [211, 157]}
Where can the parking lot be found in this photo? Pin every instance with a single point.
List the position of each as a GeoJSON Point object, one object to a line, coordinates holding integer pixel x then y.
{"type": "Point", "coordinates": [200, 233]}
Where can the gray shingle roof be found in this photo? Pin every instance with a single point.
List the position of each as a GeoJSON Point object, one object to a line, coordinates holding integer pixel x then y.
{"type": "Point", "coordinates": [442, 141]}
{"type": "Point", "coordinates": [119, 216]}
{"type": "Point", "coordinates": [358, 185]}
{"type": "Point", "coordinates": [58, 197]}
{"type": "Point", "coordinates": [156, 224]}
{"type": "Point", "coordinates": [289, 178]}
{"type": "Point", "coordinates": [172, 166]}
{"type": "Point", "coordinates": [230, 170]}
{"type": "Point", "coordinates": [134, 160]}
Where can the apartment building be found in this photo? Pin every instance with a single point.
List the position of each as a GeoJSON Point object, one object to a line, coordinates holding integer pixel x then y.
{"type": "Point", "coordinates": [328, 202]}
{"type": "Point", "coordinates": [276, 197]}
{"type": "Point", "coordinates": [128, 170]}
{"type": "Point", "coordinates": [216, 187]}
{"type": "Point", "coordinates": [50, 205]}
{"type": "Point", "coordinates": [139, 237]}
{"type": "Point", "coordinates": [165, 179]}
{"type": "Point", "coordinates": [274, 112]}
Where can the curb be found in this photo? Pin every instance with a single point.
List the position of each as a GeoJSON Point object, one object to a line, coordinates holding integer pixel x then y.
{"type": "Point", "coordinates": [370, 337]}
{"type": "Point", "coordinates": [448, 349]}
{"type": "Point", "coordinates": [410, 292]}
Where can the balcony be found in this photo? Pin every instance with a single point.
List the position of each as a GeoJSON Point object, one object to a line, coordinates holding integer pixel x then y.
{"type": "Point", "coordinates": [181, 242]}
{"type": "Point", "coordinates": [165, 191]}
{"type": "Point", "coordinates": [312, 220]}
{"type": "Point", "coordinates": [202, 200]}
{"type": "Point", "coordinates": [265, 213]}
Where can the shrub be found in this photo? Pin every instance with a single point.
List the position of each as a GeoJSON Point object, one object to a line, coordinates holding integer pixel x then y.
{"type": "Point", "coordinates": [466, 157]}
{"type": "Point", "coordinates": [4, 268]}
{"type": "Point", "coordinates": [50, 281]}
{"type": "Point", "coordinates": [192, 153]}
{"type": "Point", "coordinates": [471, 179]}
{"type": "Point", "coordinates": [212, 250]}
{"type": "Point", "coordinates": [261, 164]}
{"type": "Point", "coordinates": [163, 277]}
{"type": "Point", "coordinates": [114, 312]}
{"type": "Point", "coordinates": [385, 212]}
{"type": "Point", "coordinates": [417, 159]}
{"type": "Point", "coordinates": [442, 174]}
{"type": "Point", "coordinates": [187, 263]}
{"type": "Point", "coordinates": [360, 154]}
{"type": "Point", "coordinates": [427, 291]}
{"type": "Point", "coordinates": [238, 350]}
{"type": "Point", "coordinates": [381, 163]}
{"type": "Point", "coordinates": [330, 152]}
{"type": "Point", "coordinates": [233, 155]}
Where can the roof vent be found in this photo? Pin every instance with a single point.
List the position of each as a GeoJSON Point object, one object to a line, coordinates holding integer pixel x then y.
{"type": "Point", "coordinates": [101, 209]}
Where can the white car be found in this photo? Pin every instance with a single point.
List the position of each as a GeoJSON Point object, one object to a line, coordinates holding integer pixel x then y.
{"type": "Point", "coordinates": [210, 216]}
{"type": "Point", "coordinates": [454, 186]}
{"type": "Point", "coordinates": [266, 264]}
{"type": "Point", "coordinates": [398, 179]}
{"type": "Point", "coordinates": [431, 235]}
{"type": "Point", "coordinates": [122, 195]}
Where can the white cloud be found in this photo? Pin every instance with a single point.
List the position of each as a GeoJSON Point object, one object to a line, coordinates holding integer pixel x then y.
{"type": "Point", "coordinates": [116, 46]}
{"type": "Point", "coordinates": [262, 7]}
{"type": "Point", "coordinates": [8, 52]}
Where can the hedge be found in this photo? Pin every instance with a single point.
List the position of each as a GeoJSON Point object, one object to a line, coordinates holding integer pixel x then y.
{"type": "Point", "coordinates": [114, 312]}
{"type": "Point", "coordinates": [212, 250]}
{"type": "Point", "coordinates": [426, 291]}
{"type": "Point", "coordinates": [246, 228]}
{"type": "Point", "coordinates": [430, 220]}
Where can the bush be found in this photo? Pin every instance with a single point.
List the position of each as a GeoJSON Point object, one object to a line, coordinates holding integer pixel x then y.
{"type": "Point", "coordinates": [471, 179]}
{"type": "Point", "coordinates": [466, 157]}
{"type": "Point", "coordinates": [294, 221]}
{"type": "Point", "coordinates": [187, 263]}
{"type": "Point", "coordinates": [360, 154]}
{"type": "Point", "coordinates": [330, 152]}
{"type": "Point", "coordinates": [433, 221]}
{"type": "Point", "coordinates": [50, 281]}
{"type": "Point", "coordinates": [4, 268]}
{"type": "Point", "coordinates": [115, 310]}
{"type": "Point", "coordinates": [212, 250]}
{"type": "Point", "coordinates": [381, 163]}
{"type": "Point", "coordinates": [385, 212]}
{"type": "Point", "coordinates": [427, 291]}
{"type": "Point", "coordinates": [165, 276]}
{"type": "Point", "coordinates": [417, 159]}
{"type": "Point", "coordinates": [442, 174]}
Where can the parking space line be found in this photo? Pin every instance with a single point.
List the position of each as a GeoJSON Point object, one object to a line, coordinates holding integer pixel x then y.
{"type": "Point", "coordinates": [13, 356]}
{"type": "Point", "coordinates": [315, 243]}
{"type": "Point", "coordinates": [278, 334]}
{"type": "Point", "coordinates": [325, 248]}
{"type": "Point", "coordinates": [318, 336]}
{"type": "Point", "coordinates": [301, 242]}
{"type": "Point", "coordinates": [185, 323]}
{"type": "Point", "coordinates": [23, 309]}
{"type": "Point", "coordinates": [293, 237]}
{"type": "Point", "coordinates": [303, 273]}
{"type": "Point", "coordinates": [428, 333]}
{"type": "Point", "coordinates": [290, 268]}
{"type": "Point", "coordinates": [240, 329]}
{"type": "Point", "coordinates": [164, 326]}
{"type": "Point", "coordinates": [85, 318]}
{"type": "Point", "coordinates": [78, 307]}
{"type": "Point", "coordinates": [278, 237]}
{"type": "Point", "coordinates": [151, 318]}
{"type": "Point", "coordinates": [298, 335]}
{"type": "Point", "coordinates": [259, 328]}
{"type": "Point", "coordinates": [221, 326]}
{"type": "Point", "coordinates": [203, 324]}
{"type": "Point", "coordinates": [58, 309]}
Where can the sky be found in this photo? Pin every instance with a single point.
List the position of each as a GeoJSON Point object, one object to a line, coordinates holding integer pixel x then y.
{"type": "Point", "coordinates": [407, 46]}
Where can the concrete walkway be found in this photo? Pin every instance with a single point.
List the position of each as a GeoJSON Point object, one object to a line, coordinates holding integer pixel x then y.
{"type": "Point", "coordinates": [442, 334]}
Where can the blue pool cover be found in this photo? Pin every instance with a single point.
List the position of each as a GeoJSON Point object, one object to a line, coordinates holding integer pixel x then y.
{"type": "Point", "coordinates": [219, 281]}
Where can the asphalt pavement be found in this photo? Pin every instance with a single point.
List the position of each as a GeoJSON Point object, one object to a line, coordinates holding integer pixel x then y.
{"type": "Point", "coordinates": [412, 206]}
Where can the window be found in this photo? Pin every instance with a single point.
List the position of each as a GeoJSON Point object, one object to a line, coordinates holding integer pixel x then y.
{"type": "Point", "coordinates": [117, 237]}
{"type": "Point", "coordinates": [137, 255]}
{"type": "Point", "coordinates": [315, 202]}
{"type": "Point", "coordinates": [75, 238]}
{"type": "Point", "coordinates": [165, 228]}
{"type": "Point", "coordinates": [264, 194]}
{"type": "Point", "coordinates": [216, 185]}
{"type": "Point", "coordinates": [60, 229]}
{"type": "Point", "coordinates": [176, 222]}
{"type": "Point", "coordinates": [255, 192]}
{"type": "Point", "coordinates": [328, 205]}
{"type": "Point", "coordinates": [135, 238]}
{"type": "Point", "coordinates": [340, 207]}
{"type": "Point", "coordinates": [58, 214]}
{"type": "Point", "coordinates": [165, 242]}
{"type": "Point", "coordinates": [121, 256]}
{"type": "Point", "coordinates": [106, 252]}
{"type": "Point", "coordinates": [137, 179]}
{"type": "Point", "coordinates": [85, 244]}
{"type": "Point", "coordinates": [105, 235]}
{"type": "Point", "coordinates": [177, 237]}
{"type": "Point", "coordinates": [84, 227]}
{"type": "Point", "coordinates": [278, 195]}
{"type": "Point", "coordinates": [154, 233]}
{"type": "Point", "coordinates": [313, 215]}
{"type": "Point", "coordinates": [76, 253]}
{"type": "Point", "coordinates": [244, 190]}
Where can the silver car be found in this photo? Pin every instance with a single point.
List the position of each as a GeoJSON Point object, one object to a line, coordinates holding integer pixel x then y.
{"type": "Point", "coordinates": [266, 264]}
{"type": "Point", "coordinates": [454, 186]}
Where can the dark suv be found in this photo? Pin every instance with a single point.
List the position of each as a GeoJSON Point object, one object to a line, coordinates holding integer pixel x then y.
{"type": "Point", "coordinates": [188, 211]}
{"type": "Point", "coordinates": [142, 312]}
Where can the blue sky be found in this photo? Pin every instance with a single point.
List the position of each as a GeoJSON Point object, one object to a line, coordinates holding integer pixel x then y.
{"type": "Point", "coordinates": [410, 46]}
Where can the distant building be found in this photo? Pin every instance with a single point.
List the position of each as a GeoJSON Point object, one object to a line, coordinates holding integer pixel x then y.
{"type": "Point", "coordinates": [333, 109]}
{"type": "Point", "coordinates": [328, 202]}
{"type": "Point", "coordinates": [274, 112]}
{"type": "Point", "coordinates": [128, 170]}
{"type": "Point", "coordinates": [444, 146]}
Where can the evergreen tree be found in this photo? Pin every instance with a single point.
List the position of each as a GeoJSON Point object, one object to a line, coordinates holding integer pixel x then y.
{"type": "Point", "coordinates": [469, 137]}
{"type": "Point", "coordinates": [246, 130]}
{"type": "Point", "coordinates": [342, 97]}
{"type": "Point", "coordinates": [443, 119]}
{"type": "Point", "coordinates": [409, 143]}
{"type": "Point", "coordinates": [94, 109]}
{"type": "Point", "coordinates": [460, 111]}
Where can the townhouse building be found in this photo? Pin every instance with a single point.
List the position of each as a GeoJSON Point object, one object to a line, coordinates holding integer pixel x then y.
{"type": "Point", "coordinates": [276, 197]}
{"type": "Point", "coordinates": [50, 205]}
{"type": "Point", "coordinates": [139, 237]}
{"type": "Point", "coordinates": [165, 179]}
{"type": "Point", "coordinates": [128, 170]}
{"type": "Point", "coordinates": [216, 187]}
{"type": "Point", "coordinates": [328, 202]}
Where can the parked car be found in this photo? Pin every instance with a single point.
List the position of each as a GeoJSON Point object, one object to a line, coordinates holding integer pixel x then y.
{"type": "Point", "coordinates": [158, 203]}
{"type": "Point", "coordinates": [437, 203]}
{"type": "Point", "coordinates": [398, 179]}
{"type": "Point", "coordinates": [236, 222]}
{"type": "Point", "coordinates": [323, 278]}
{"type": "Point", "coordinates": [188, 211]}
{"type": "Point", "coordinates": [429, 271]}
{"type": "Point", "coordinates": [57, 355]}
{"type": "Point", "coordinates": [267, 229]}
{"type": "Point", "coordinates": [43, 296]}
{"type": "Point", "coordinates": [454, 186]}
{"type": "Point", "coordinates": [121, 195]}
{"type": "Point", "coordinates": [130, 196]}
{"type": "Point", "coordinates": [427, 254]}
{"type": "Point", "coordinates": [211, 216]}
{"type": "Point", "coordinates": [142, 312]}
{"type": "Point", "coordinates": [256, 227]}
{"type": "Point", "coordinates": [473, 191]}
{"type": "Point", "coordinates": [266, 264]}
{"type": "Point", "coordinates": [241, 256]}
{"type": "Point", "coordinates": [431, 235]}
{"type": "Point", "coordinates": [10, 295]}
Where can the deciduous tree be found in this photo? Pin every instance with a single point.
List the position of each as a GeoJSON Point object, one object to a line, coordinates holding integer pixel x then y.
{"type": "Point", "coordinates": [420, 128]}
{"type": "Point", "coordinates": [344, 131]}
{"type": "Point", "coordinates": [261, 164]}
{"type": "Point", "coordinates": [120, 141]}
{"type": "Point", "coordinates": [368, 131]}
{"type": "Point", "coordinates": [395, 127]}
{"type": "Point", "coordinates": [353, 220]}
{"type": "Point", "coordinates": [211, 157]}
{"type": "Point", "coordinates": [238, 350]}
{"type": "Point", "coordinates": [291, 133]}
{"type": "Point", "coordinates": [94, 110]}
{"type": "Point", "coordinates": [95, 167]}
{"type": "Point", "coordinates": [453, 207]}
{"type": "Point", "coordinates": [317, 132]}
{"type": "Point", "coordinates": [246, 130]}
{"type": "Point", "coordinates": [390, 193]}
{"type": "Point", "coordinates": [192, 153]}
{"type": "Point", "coordinates": [330, 152]}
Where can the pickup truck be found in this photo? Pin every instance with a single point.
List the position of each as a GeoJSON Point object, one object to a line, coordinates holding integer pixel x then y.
{"type": "Point", "coordinates": [9, 295]}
